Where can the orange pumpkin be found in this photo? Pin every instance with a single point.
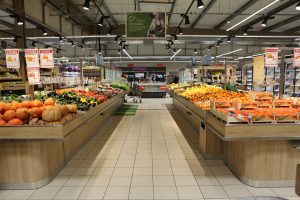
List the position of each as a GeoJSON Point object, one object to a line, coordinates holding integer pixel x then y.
{"type": "Point", "coordinates": [8, 106]}
{"type": "Point", "coordinates": [48, 107]}
{"type": "Point", "coordinates": [15, 105]}
{"type": "Point", "coordinates": [1, 116]}
{"type": "Point", "coordinates": [14, 122]}
{"type": "Point", "coordinates": [49, 102]}
{"type": "Point", "coordinates": [2, 104]}
{"type": "Point", "coordinates": [36, 103]}
{"type": "Point", "coordinates": [23, 113]}
{"type": "Point", "coordinates": [25, 104]}
{"type": "Point", "coordinates": [9, 115]}
{"type": "Point", "coordinates": [36, 112]}
{"type": "Point", "coordinates": [2, 122]}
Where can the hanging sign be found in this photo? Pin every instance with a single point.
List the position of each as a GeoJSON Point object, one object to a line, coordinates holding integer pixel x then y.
{"type": "Point", "coordinates": [146, 25]}
{"type": "Point", "coordinates": [33, 74]}
{"type": "Point", "coordinates": [46, 57]}
{"type": "Point", "coordinates": [297, 57]}
{"type": "Point", "coordinates": [271, 57]}
{"type": "Point", "coordinates": [32, 57]}
{"type": "Point", "coordinates": [12, 58]}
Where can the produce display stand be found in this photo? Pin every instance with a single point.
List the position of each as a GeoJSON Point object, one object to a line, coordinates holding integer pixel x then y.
{"type": "Point", "coordinates": [33, 155]}
{"type": "Point", "coordinates": [261, 155]}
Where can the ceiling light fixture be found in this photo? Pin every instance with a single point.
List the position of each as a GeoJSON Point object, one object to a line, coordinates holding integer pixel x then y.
{"type": "Point", "coordinates": [298, 6]}
{"type": "Point", "coordinates": [116, 38]}
{"type": "Point", "coordinates": [245, 32]}
{"type": "Point", "coordinates": [200, 4]}
{"type": "Point", "coordinates": [86, 5]}
{"type": "Point", "coordinates": [73, 44]}
{"type": "Point", "coordinates": [110, 31]}
{"type": "Point", "coordinates": [45, 32]}
{"type": "Point", "coordinates": [186, 19]}
{"type": "Point", "coordinates": [101, 21]}
{"type": "Point", "coordinates": [228, 53]}
{"type": "Point", "coordinates": [247, 18]}
{"type": "Point", "coordinates": [119, 51]}
{"type": "Point", "coordinates": [264, 22]}
{"type": "Point", "coordinates": [127, 54]}
{"type": "Point", "coordinates": [195, 51]}
{"type": "Point", "coordinates": [175, 37]}
{"type": "Point", "coordinates": [33, 43]}
{"type": "Point", "coordinates": [19, 21]}
{"type": "Point", "coordinates": [58, 50]}
{"type": "Point", "coordinates": [180, 31]}
{"type": "Point", "coordinates": [61, 39]}
{"type": "Point", "coordinates": [218, 43]}
{"type": "Point", "coordinates": [175, 54]}
{"type": "Point", "coordinates": [228, 39]}
{"type": "Point", "coordinates": [209, 48]}
{"type": "Point", "coordinates": [15, 39]}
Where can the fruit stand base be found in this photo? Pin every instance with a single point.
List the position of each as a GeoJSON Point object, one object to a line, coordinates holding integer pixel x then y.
{"type": "Point", "coordinates": [32, 161]}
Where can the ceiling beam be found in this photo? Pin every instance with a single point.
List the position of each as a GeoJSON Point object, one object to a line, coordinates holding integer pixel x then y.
{"type": "Point", "coordinates": [269, 14]}
{"type": "Point", "coordinates": [109, 12]}
{"type": "Point", "coordinates": [6, 23]}
{"type": "Point", "coordinates": [236, 13]}
{"type": "Point", "coordinates": [293, 30]}
{"type": "Point", "coordinates": [201, 15]}
{"type": "Point", "coordinates": [282, 23]}
{"type": "Point", "coordinates": [172, 9]}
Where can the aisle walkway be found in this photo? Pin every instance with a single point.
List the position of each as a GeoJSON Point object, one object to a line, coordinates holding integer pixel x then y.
{"type": "Point", "coordinates": [146, 156]}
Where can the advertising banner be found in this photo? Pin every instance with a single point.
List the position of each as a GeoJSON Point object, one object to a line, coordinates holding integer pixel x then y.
{"type": "Point", "coordinates": [46, 58]}
{"type": "Point", "coordinates": [12, 58]}
{"type": "Point", "coordinates": [297, 57]}
{"type": "Point", "coordinates": [146, 25]}
{"type": "Point", "coordinates": [33, 74]}
{"type": "Point", "coordinates": [32, 57]}
{"type": "Point", "coordinates": [271, 57]}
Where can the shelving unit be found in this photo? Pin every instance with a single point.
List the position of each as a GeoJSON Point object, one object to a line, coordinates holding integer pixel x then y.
{"type": "Point", "coordinates": [248, 76]}
{"type": "Point", "coordinates": [292, 80]}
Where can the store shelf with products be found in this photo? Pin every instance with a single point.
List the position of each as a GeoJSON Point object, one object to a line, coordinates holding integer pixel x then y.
{"type": "Point", "coordinates": [232, 124]}
{"type": "Point", "coordinates": [292, 80]}
{"type": "Point", "coordinates": [217, 74]}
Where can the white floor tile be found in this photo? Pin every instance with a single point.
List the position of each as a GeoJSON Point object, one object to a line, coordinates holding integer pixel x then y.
{"type": "Point", "coordinates": [189, 192]}
{"type": "Point", "coordinates": [213, 192]}
{"type": "Point", "coordinates": [236, 191]}
{"type": "Point", "coordinates": [69, 193]}
{"type": "Point", "coordinates": [163, 181]}
{"type": "Point", "coordinates": [182, 171]}
{"type": "Point", "coordinates": [140, 193]}
{"type": "Point", "coordinates": [83, 171]}
{"type": "Point", "coordinates": [45, 193]}
{"type": "Point", "coordinates": [121, 181]}
{"type": "Point", "coordinates": [144, 181]}
{"type": "Point", "coordinates": [125, 163]}
{"type": "Point", "coordinates": [165, 193]}
{"type": "Point", "coordinates": [185, 181]}
{"type": "Point", "coordinates": [117, 193]}
{"type": "Point", "coordinates": [92, 193]}
{"type": "Point", "coordinates": [98, 181]}
{"type": "Point", "coordinates": [143, 163]}
{"type": "Point", "coordinates": [123, 171]}
{"type": "Point", "coordinates": [59, 181]}
{"type": "Point", "coordinates": [285, 191]}
{"type": "Point", "coordinates": [4, 193]}
{"type": "Point", "coordinates": [228, 180]}
{"type": "Point", "coordinates": [103, 171]}
{"type": "Point", "coordinates": [107, 163]}
{"type": "Point", "coordinates": [74, 181]}
{"type": "Point", "coordinates": [161, 163]}
{"type": "Point", "coordinates": [221, 170]}
{"type": "Point", "coordinates": [207, 180]}
{"type": "Point", "coordinates": [19, 194]}
{"type": "Point", "coordinates": [162, 171]}
{"type": "Point", "coordinates": [263, 192]}
{"type": "Point", "coordinates": [142, 171]}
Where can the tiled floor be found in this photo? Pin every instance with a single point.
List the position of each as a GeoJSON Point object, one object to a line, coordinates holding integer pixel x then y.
{"type": "Point", "coordinates": [146, 156]}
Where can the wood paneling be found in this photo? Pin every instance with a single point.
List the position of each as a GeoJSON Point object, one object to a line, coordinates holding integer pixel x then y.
{"type": "Point", "coordinates": [262, 160]}
{"type": "Point", "coordinates": [29, 161]}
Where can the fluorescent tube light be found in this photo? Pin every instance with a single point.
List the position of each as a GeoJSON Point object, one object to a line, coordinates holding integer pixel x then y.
{"type": "Point", "coordinates": [127, 54]}
{"type": "Point", "coordinates": [175, 54]}
{"type": "Point", "coordinates": [247, 18]}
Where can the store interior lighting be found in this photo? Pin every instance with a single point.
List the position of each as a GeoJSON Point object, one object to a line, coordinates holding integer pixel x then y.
{"type": "Point", "coordinates": [298, 6]}
{"type": "Point", "coordinates": [175, 54]}
{"type": "Point", "coordinates": [86, 5]}
{"type": "Point", "coordinates": [200, 4]}
{"type": "Point", "coordinates": [255, 13]}
{"type": "Point", "coordinates": [124, 50]}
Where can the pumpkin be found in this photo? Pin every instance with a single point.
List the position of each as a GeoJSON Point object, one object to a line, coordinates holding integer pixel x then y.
{"type": "Point", "coordinates": [72, 108]}
{"type": "Point", "coordinates": [2, 122]}
{"type": "Point", "coordinates": [25, 104]}
{"type": "Point", "coordinates": [15, 105]}
{"type": "Point", "coordinates": [9, 115]}
{"type": "Point", "coordinates": [23, 113]}
{"type": "Point", "coordinates": [14, 122]}
{"type": "Point", "coordinates": [2, 104]}
{"type": "Point", "coordinates": [1, 116]}
{"type": "Point", "coordinates": [49, 102]}
{"type": "Point", "coordinates": [48, 107]}
{"type": "Point", "coordinates": [36, 112]}
{"type": "Point", "coordinates": [36, 103]}
{"type": "Point", "coordinates": [63, 109]}
{"type": "Point", "coordinates": [8, 106]}
{"type": "Point", "coordinates": [51, 115]}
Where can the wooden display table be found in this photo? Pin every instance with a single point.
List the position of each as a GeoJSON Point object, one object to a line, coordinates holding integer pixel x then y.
{"type": "Point", "coordinates": [261, 155]}
{"type": "Point", "coordinates": [31, 156]}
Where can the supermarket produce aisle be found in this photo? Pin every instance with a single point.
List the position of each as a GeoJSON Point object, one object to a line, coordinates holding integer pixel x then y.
{"type": "Point", "coordinates": [150, 155]}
